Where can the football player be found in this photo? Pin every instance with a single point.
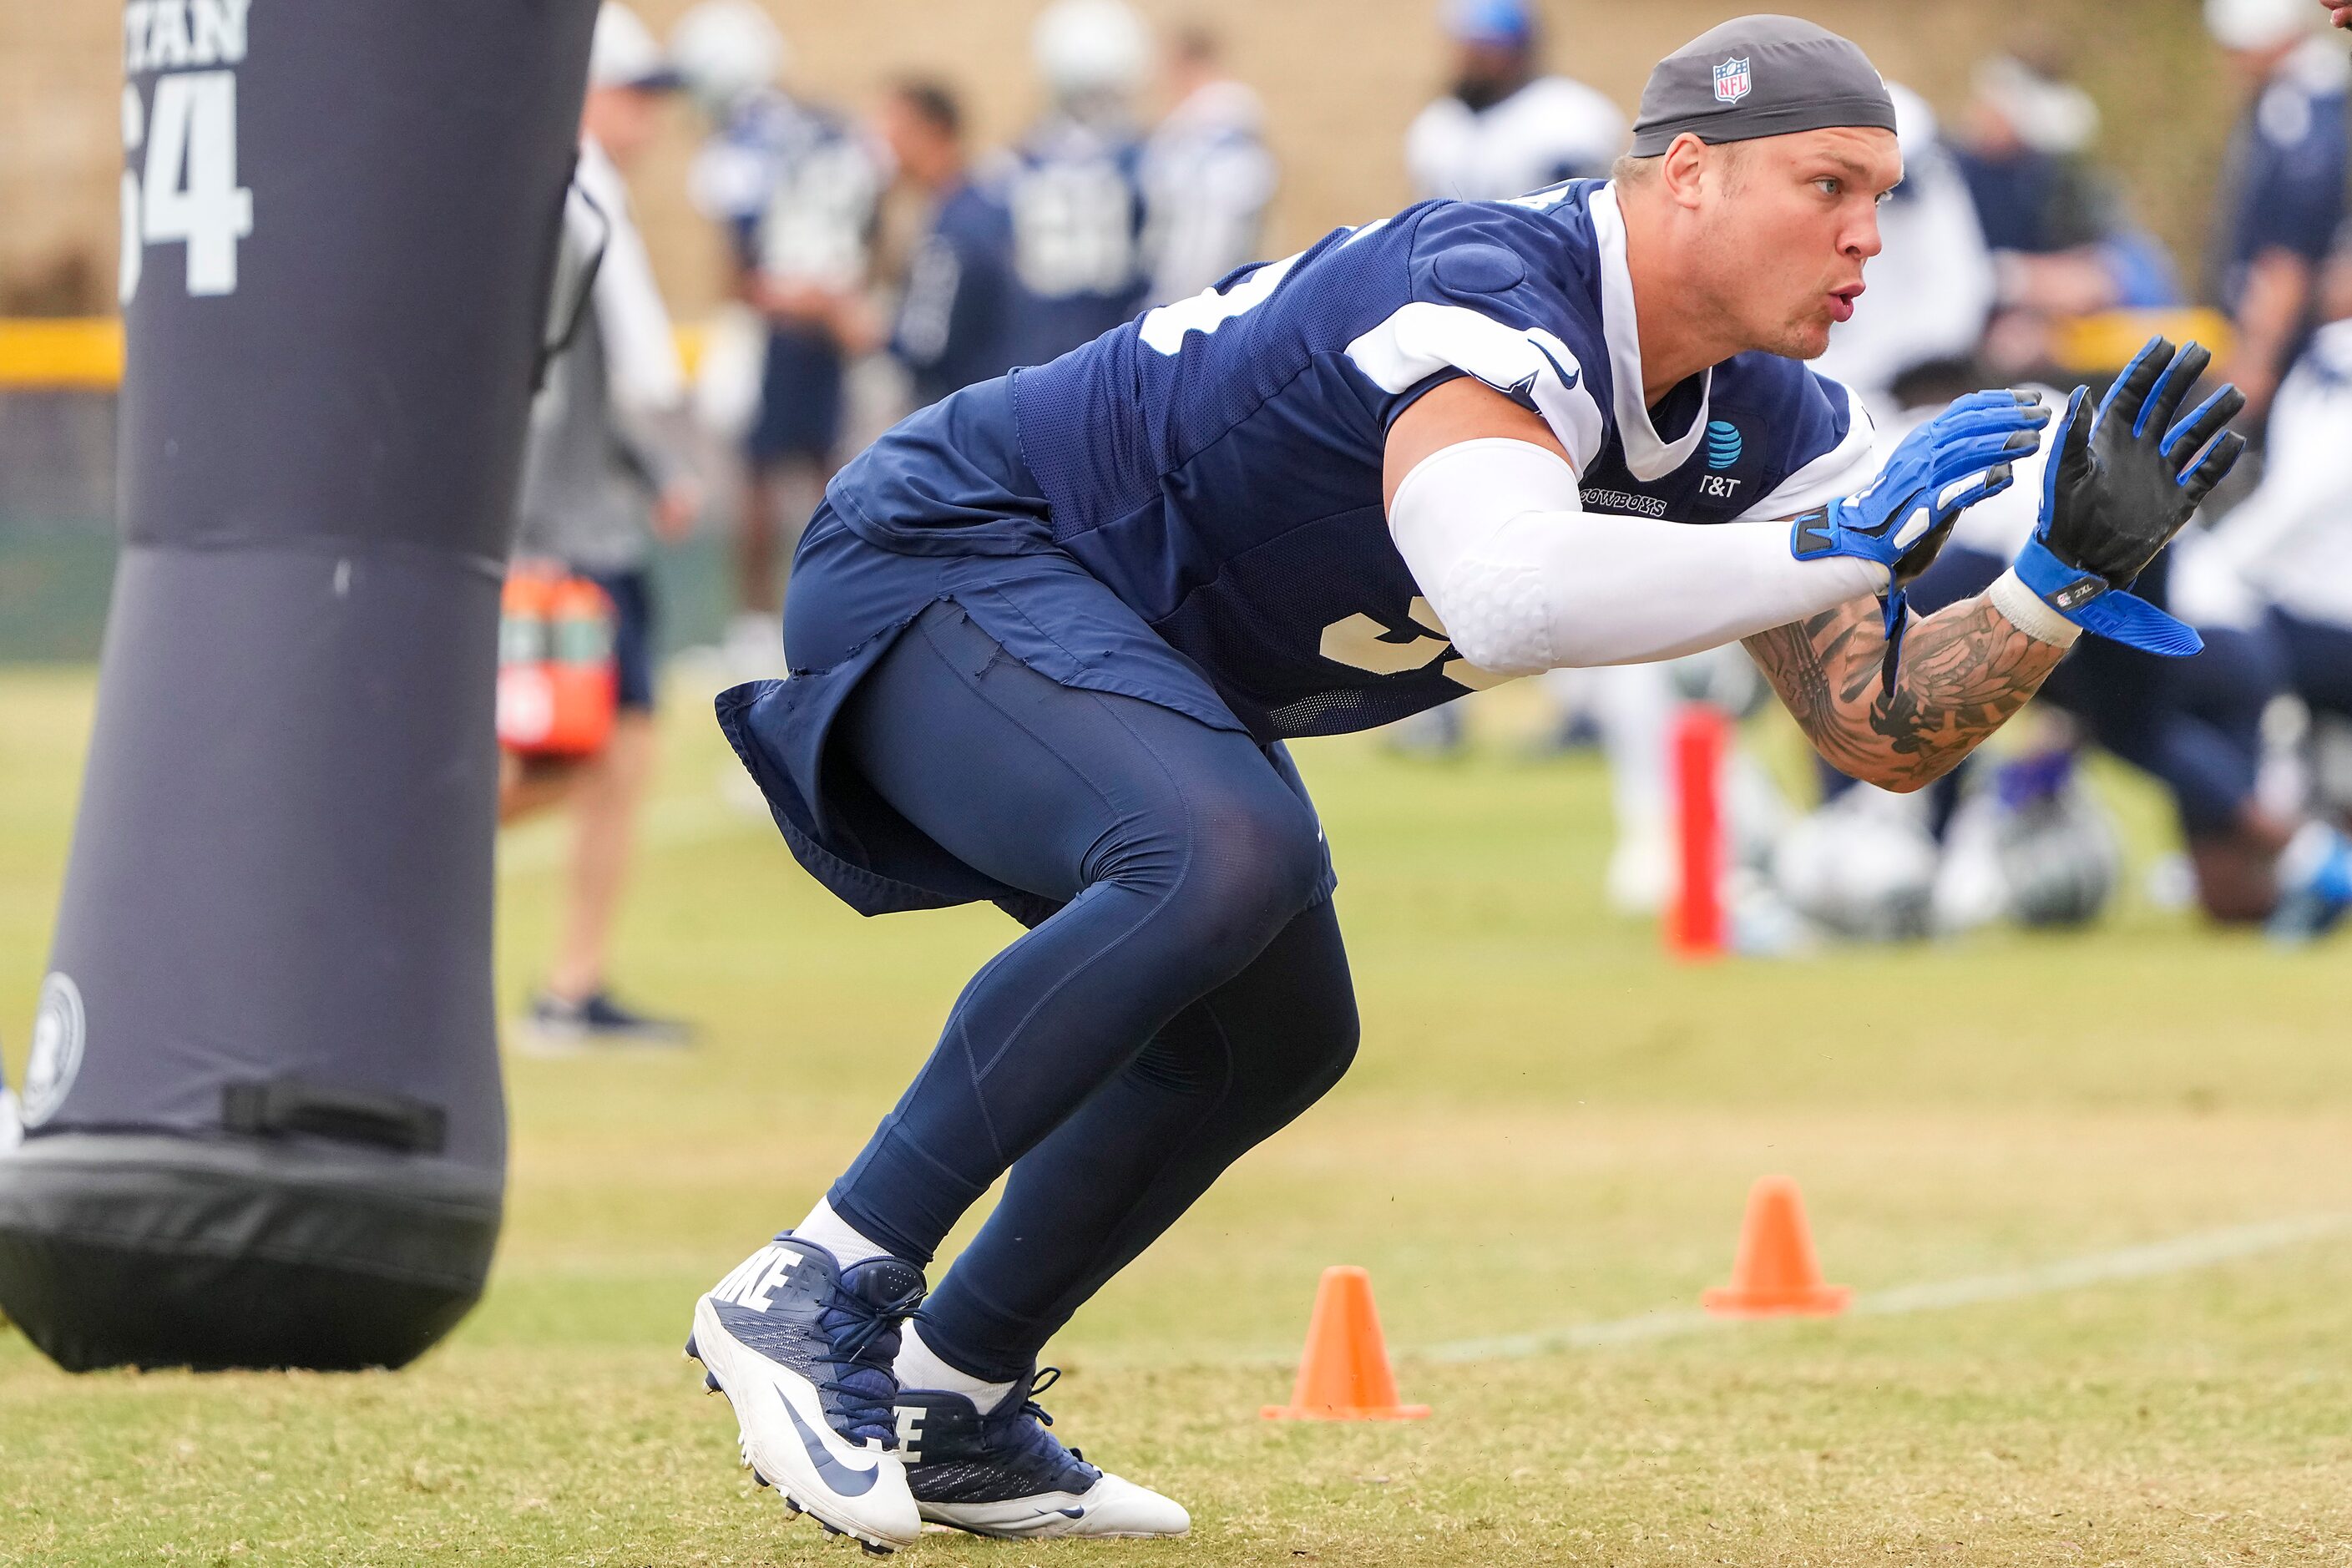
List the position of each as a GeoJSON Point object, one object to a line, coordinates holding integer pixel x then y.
{"type": "Point", "coordinates": [797, 186]}
{"type": "Point", "coordinates": [955, 316]}
{"type": "Point", "coordinates": [1207, 175]}
{"type": "Point", "coordinates": [1505, 128]}
{"type": "Point", "coordinates": [1073, 184]}
{"type": "Point", "coordinates": [2282, 189]}
{"type": "Point", "coordinates": [1049, 636]}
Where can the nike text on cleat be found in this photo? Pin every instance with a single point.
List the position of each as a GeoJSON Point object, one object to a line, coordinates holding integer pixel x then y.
{"type": "Point", "coordinates": [1001, 1473]}
{"type": "Point", "coordinates": [801, 1348]}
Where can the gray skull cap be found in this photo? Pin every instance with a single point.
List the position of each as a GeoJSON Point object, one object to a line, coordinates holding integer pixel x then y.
{"type": "Point", "coordinates": [1760, 75]}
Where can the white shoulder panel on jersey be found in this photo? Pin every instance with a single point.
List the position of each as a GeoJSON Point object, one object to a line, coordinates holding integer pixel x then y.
{"type": "Point", "coordinates": [1840, 471]}
{"type": "Point", "coordinates": [1424, 338]}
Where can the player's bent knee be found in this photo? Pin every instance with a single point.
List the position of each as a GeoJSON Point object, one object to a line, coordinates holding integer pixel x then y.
{"type": "Point", "coordinates": [1328, 1050]}
{"type": "Point", "coordinates": [1261, 860]}
{"type": "Point", "coordinates": [1243, 865]}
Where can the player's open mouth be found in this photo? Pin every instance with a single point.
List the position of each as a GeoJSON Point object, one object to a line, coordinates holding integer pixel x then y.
{"type": "Point", "coordinates": [1842, 302]}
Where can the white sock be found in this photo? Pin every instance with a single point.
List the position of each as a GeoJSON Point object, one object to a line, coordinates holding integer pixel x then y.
{"type": "Point", "coordinates": [919, 1367]}
{"type": "Point", "coordinates": [838, 1236]}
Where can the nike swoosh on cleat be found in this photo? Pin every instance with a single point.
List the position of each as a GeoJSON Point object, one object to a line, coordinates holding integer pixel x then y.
{"type": "Point", "coordinates": [844, 1481]}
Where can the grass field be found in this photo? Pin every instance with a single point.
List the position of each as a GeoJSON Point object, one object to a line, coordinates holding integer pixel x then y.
{"type": "Point", "coordinates": [1549, 1126]}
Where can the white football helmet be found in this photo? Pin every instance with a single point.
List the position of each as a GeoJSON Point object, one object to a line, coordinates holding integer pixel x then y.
{"type": "Point", "coordinates": [1091, 48]}
{"type": "Point", "coordinates": [727, 50]}
{"type": "Point", "coordinates": [2260, 23]}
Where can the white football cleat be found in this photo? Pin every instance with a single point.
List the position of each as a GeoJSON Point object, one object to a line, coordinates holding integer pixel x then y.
{"type": "Point", "coordinates": [1001, 1473]}
{"type": "Point", "coordinates": [801, 1349]}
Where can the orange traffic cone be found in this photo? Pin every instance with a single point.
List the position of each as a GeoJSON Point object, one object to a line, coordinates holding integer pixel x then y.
{"type": "Point", "coordinates": [1775, 1273]}
{"type": "Point", "coordinates": [1345, 1375]}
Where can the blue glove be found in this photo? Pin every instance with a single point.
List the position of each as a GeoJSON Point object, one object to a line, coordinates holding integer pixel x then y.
{"type": "Point", "coordinates": [2121, 482]}
{"type": "Point", "coordinates": [1903, 516]}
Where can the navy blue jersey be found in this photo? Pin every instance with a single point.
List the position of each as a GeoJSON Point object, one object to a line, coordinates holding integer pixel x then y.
{"type": "Point", "coordinates": [2283, 183]}
{"type": "Point", "coordinates": [955, 322]}
{"type": "Point", "coordinates": [1075, 197]}
{"type": "Point", "coordinates": [1217, 463]}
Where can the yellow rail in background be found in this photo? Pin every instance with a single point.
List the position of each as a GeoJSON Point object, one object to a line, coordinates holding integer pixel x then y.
{"type": "Point", "coordinates": [85, 352]}
{"type": "Point", "coordinates": [2096, 345]}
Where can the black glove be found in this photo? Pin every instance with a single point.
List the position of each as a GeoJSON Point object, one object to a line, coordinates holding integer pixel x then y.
{"type": "Point", "coordinates": [2119, 485]}
{"type": "Point", "coordinates": [2122, 483]}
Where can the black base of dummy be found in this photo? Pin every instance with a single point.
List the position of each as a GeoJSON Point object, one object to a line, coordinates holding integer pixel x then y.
{"type": "Point", "coordinates": [149, 1251]}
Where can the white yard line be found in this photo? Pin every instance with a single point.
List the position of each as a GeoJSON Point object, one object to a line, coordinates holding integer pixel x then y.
{"type": "Point", "coordinates": [2200, 1249]}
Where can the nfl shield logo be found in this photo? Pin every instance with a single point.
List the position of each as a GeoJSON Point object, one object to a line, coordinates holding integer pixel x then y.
{"type": "Point", "coordinates": [1731, 83]}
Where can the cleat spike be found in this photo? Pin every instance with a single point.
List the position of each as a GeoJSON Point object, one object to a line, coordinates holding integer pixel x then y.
{"type": "Point", "coordinates": [872, 1548]}
{"type": "Point", "coordinates": [759, 1478]}
{"type": "Point", "coordinates": [833, 1529]}
{"type": "Point", "coordinates": [691, 1353]}
{"type": "Point", "coordinates": [792, 1508]}
{"type": "Point", "coordinates": [710, 1383]}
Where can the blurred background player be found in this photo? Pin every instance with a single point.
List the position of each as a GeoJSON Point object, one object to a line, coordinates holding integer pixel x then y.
{"type": "Point", "coordinates": [2291, 541]}
{"type": "Point", "coordinates": [955, 315]}
{"type": "Point", "coordinates": [798, 190]}
{"type": "Point", "coordinates": [2282, 195]}
{"type": "Point", "coordinates": [1207, 175]}
{"type": "Point", "coordinates": [1073, 183]}
{"type": "Point", "coordinates": [2063, 242]}
{"type": "Point", "coordinates": [607, 463]}
{"type": "Point", "coordinates": [1502, 130]}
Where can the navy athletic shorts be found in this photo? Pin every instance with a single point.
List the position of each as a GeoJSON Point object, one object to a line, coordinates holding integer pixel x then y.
{"type": "Point", "coordinates": [632, 594]}
{"type": "Point", "coordinates": [799, 399]}
{"type": "Point", "coordinates": [2320, 655]}
{"type": "Point", "coordinates": [942, 508]}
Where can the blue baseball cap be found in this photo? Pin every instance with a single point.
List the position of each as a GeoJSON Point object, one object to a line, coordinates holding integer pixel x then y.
{"type": "Point", "coordinates": [1508, 22]}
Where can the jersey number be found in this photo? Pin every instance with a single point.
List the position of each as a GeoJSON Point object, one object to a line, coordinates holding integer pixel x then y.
{"type": "Point", "coordinates": [1074, 230]}
{"type": "Point", "coordinates": [814, 229]}
{"type": "Point", "coordinates": [1164, 327]}
{"type": "Point", "coordinates": [186, 193]}
{"type": "Point", "coordinates": [1360, 642]}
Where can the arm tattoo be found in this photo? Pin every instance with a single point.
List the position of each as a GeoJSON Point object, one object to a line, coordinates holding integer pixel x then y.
{"type": "Point", "coordinates": [1965, 670]}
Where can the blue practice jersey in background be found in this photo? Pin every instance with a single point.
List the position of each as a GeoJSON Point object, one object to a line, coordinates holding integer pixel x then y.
{"type": "Point", "coordinates": [1075, 197]}
{"type": "Point", "coordinates": [2283, 183]}
{"type": "Point", "coordinates": [955, 322]}
{"type": "Point", "coordinates": [800, 193]}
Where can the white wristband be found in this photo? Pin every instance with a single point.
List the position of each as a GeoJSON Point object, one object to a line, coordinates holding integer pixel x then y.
{"type": "Point", "coordinates": [2027, 611]}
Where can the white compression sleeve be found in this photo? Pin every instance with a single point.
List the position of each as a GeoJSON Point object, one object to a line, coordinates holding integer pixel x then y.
{"type": "Point", "coordinates": [1525, 578]}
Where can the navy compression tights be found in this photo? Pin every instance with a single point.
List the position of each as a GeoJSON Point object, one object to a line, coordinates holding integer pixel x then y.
{"type": "Point", "coordinates": [1190, 997]}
